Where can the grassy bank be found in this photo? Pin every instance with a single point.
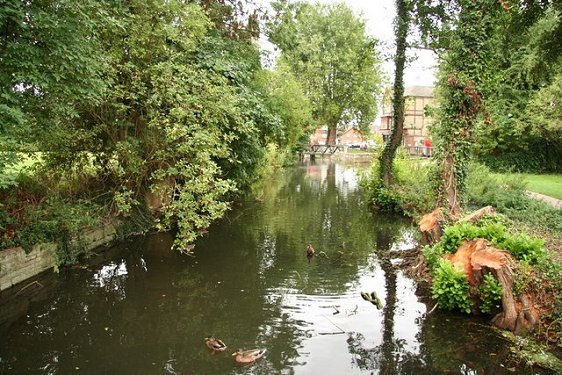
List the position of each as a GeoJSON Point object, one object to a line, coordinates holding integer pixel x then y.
{"type": "Point", "coordinates": [547, 184]}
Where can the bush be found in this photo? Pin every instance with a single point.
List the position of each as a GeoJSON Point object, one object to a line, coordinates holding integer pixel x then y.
{"type": "Point", "coordinates": [521, 246]}
{"type": "Point", "coordinates": [525, 248]}
{"type": "Point", "coordinates": [507, 195]}
{"type": "Point", "coordinates": [487, 189]}
{"type": "Point", "coordinates": [450, 287]}
{"type": "Point", "coordinates": [412, 194]}
{"type": "Point", "coordinates": [490, 292]}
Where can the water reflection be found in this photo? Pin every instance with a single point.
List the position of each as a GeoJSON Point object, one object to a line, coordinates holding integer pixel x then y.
{"type": "Point", "coordinates": [142, 309]}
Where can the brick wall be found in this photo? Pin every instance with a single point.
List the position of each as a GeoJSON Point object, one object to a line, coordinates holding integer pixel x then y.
{"type": "Point", "coordinates": [17, 266]}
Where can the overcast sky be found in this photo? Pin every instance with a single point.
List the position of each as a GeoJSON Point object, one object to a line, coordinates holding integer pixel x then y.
{"type": "Point", "coordinates": [379, 16]}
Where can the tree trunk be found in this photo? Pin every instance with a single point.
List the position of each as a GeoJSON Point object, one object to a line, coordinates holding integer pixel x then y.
{"type": "Point", "coordinates": [387, 157]}
{"type": "Point", "coordinates": [331, 136]}
{"type": "Point", "coordinates": [507, 319]}
{"type": "Point", "coordinates": [430, 227]}
{"type": "Point", "coordinates": [450, 186]}
{"type": "Point", "coordinates": [478, 214]}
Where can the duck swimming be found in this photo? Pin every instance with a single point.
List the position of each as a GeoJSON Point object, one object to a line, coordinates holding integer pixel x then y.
{"type": "Point", "coordinates": [309, 251]}
{"type": "Point", "coordinates": [215, 344]}
{"type": "Point", "coordinates": [373, 298]}
{"type": "Point", "coordinates": [248, 356]}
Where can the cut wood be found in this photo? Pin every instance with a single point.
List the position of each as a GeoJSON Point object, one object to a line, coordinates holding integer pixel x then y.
{"type": "Point", "coordinates": [479, 214]}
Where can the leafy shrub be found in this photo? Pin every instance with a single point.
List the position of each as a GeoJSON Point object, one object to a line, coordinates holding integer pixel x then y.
{"type": "Point", "coordinates": [525, 248]}
{"type": "Point", "coordinates": [432, 255]}
{"type": "Point", "coordinates": [507, 195]}
{"type": "Point", "coordinates": [490, 292]}
{"type": "Point", "coordinates": [450, 287]}
{"type": "Point", "coordinates": [453, 235]}
{"type": "Point", "coordinates": [412, 193]}
{"type": "Point", "coordinates": [486, 189]}
{"type": "Point", "coordinates": [521, 246]}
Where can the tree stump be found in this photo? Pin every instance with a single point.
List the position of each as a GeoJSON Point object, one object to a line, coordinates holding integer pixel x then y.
{"type": "Point", "coordinates": [479, 257]}
{"type": "Point", "coordinates": [430, 227]}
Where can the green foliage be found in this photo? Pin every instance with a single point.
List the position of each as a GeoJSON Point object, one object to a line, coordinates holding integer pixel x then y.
{"type": "Point", "coordinates": [183, 111]}
{"type": "Point", "coordinates": [411, 194]}
{"type": "Point", "coordinates": [450, 287]}
{"type": "Point", "coordinates": [125, 99]}
{"type": "Point", "coordinates": [53, 221]}
{"type": "Point", "coordinates": [490, 292]}
{"type": "Point", "coordinates": [545, 112]}
{"type": "Point", "coordinates": [455, 234]}
{"type": "Point", "coordinates": [507, 195]}
{"type": "Point", "coordinates": [461, 84]}
{"type": "Point", "coordinates": [524, 248]}
{"type": "Point", "coordinates": [548, 282]}
{"type": "Point", "coordinates": [486, 189]}
{"type": "Point", "coordinates": [332, 57]}
{"type": "Point", "coordinates": [288, 101]}
{"type": "Point", "coordinates": [521, 133]}
{"type": "Point", "coordinates": [432, 255]}
{"type": "Point", "coordinates": [124, 201]}
{"type": "Point", "coordinates": [52, 66]}
{"type": "Point", "coordinates": [521, 246]}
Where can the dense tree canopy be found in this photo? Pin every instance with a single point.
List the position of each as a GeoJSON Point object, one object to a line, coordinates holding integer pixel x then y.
{"type": "Point", "coordinates": [50, 66]}
{"type": "Point", "coordinates": [329, 52]}
{"type": "Point", "coordinates": [140, 97]}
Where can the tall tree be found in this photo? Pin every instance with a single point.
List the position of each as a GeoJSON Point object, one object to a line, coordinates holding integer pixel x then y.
{"type": "Point", "coordinates": [336, 62]}
{"type": "Point", "coordinates": [401, 28]}
{"type": "Point", "coordinates": [288, 100]}
{"type": "Point", "coordinates": [460, 29]}
{"type": "Point", "coordinates": [527, 60]}
{"type": "Point", "coordinates": [461, 80]}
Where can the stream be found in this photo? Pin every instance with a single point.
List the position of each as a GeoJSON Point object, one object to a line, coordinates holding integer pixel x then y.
{"type": "Point", "coordinates": [140, 308]}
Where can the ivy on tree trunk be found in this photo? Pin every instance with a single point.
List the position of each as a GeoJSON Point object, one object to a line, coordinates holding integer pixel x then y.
{"type": "Point", "coordinates": [387, 157]}
{"type": "Point", "coordinates": [463, 73]}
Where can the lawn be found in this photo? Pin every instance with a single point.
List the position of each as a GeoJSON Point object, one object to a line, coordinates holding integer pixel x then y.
{"type": "Point", "coordinates": [547, 184]}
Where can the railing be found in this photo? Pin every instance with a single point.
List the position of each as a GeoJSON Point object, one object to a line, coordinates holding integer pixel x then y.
{"type": "Point", "coordinates": [420, 150]}
{"type": "Point", "coordinates": [324, 149]}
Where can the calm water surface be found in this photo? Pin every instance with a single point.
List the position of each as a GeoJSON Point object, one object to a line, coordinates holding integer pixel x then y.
{"type": "Point", "coordinates": [140, 308]}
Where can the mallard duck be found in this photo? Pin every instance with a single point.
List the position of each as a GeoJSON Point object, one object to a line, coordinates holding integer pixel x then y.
{"type": "Point", "coordinates": [309, 251]}
{"type": "Point", "coordinates": [373, 298]}
{"type": "Point", "coordinates": [215, 344]}
{"type": "Point", "coordinates": [248, 356]}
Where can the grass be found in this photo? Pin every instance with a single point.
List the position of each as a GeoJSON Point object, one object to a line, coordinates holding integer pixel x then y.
{"type": "Point", "coordinates": [547, 184]}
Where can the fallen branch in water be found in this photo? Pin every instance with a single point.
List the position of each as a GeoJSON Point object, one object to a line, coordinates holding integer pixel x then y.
{"type": "Point", "coordinates": [334, 324]}
{"type": "Point", "coordinates": [433, 309]}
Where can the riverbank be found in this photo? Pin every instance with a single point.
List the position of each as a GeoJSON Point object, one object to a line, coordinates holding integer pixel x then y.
{"type": "Point", "coordinates": [526, 229]}
{"type": "Point", "coordinates": [17, 265]}
{"type": "Point", "coordinates": [307, 313]}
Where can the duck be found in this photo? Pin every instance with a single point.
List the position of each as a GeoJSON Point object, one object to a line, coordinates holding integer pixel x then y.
{"type": "Point", "coordinates": [373, 298]}
{"type": "Point", "coordinates": [248, 356]}
{"type": "Point", "coordinates": [215, 344]}
{"type": "Point", "coordinates": [309, 251]}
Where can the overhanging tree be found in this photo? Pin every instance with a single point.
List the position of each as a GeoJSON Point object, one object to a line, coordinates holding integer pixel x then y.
{"type": "Point", "coordinates": [329, 52]}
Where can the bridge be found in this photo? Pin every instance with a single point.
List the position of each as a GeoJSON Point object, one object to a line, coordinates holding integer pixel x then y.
{"type": "Point", "coordinates": [323, 150]}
